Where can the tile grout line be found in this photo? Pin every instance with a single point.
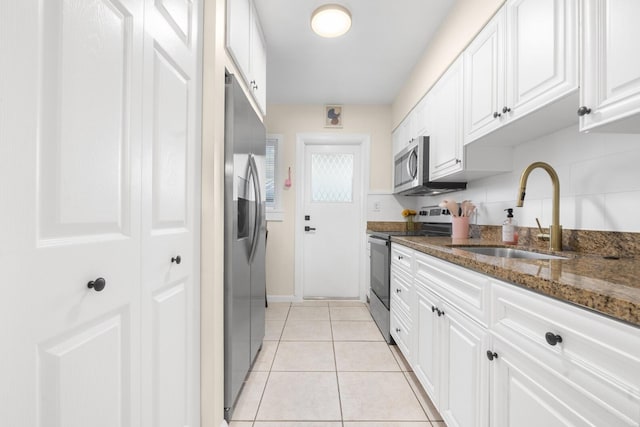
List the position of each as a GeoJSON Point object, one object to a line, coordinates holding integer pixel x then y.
{"type": "Point", "coordinates": [335, 364]}
{"type": "Point", "coordinates": [255, 417]}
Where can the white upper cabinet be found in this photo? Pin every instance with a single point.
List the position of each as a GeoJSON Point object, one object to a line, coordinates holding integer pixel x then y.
{"type": "Point", "coordinates": [246, 45]}
{"type": "Point", "coordinates": [541, 61]}
{"type": "Point", "coordinates": [445, 114]}
{"type": "Point", "coordinates": [258, 63]}
{"type": "Point", "coordinates": [610, 89]}
{"type": "Point", "coordinates": [415, 125]}
{"type": "Point", "coordinates": [523, 60]}
{"type": "Point", "coordinates": [484, 79]}
{"type": "Point", "coordinates": [238, 34]}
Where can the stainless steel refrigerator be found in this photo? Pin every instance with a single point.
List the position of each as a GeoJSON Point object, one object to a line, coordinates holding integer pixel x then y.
{"type": "Point", "coordinates": [245, 240]}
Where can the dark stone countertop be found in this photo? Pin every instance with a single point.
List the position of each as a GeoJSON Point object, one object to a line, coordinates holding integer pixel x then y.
{"type": "Point", "coordinates": [606, 286]}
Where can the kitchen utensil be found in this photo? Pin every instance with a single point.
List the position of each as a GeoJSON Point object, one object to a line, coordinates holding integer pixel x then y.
{"type": "Point", "coordinates": [451, 205]}
{"type": "Point", "coordinates": [468, 208]}
{"type": "Point", "coordinates": [464, 206]}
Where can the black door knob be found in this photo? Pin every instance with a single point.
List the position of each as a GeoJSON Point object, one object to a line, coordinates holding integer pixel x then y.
{"type": "Point", "coordinates": [177, 259]}
{"type": "Point", "coordinates": [307, 228]}
{"type": "Point", "coordinates": [506, 109]}
{"type": "Point", "coordinates": [97, 285]}
{"type": "Point", "coordinates": [496, 115]}
{"type": "Point", "coordinates": [440, 312]}
{"type": "Point", "coordinates": [552, 339]}
{"type": "Point", "coordinates": [491, 355]}
{"type": "Point", "coordinates": [433, 308]}
{"type": "Point", "coordinates": [583, 111]}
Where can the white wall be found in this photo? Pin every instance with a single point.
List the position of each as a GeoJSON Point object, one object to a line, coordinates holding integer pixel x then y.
{"type": "Point", "coordinates": [212, 222]}
{"type": "Point", "coordinates": [599, 183]}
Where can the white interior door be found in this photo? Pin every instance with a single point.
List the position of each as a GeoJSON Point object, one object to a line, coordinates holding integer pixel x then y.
{"type": "Point", "coordinates": [332, 202]}
{"type": "Point", "coordinates": [70, 197]}
{"type": "Point", "coordinates": [88, 101]}
{"type": "Point", "coordinates": [170, 215]}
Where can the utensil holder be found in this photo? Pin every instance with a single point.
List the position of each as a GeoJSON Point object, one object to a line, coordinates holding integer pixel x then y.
{"type": "Point", "coordinates": [460, 227]}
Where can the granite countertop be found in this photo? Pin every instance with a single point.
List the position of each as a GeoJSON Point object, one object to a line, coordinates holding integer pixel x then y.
{"type": "Point", "coordinates": [607, 286]}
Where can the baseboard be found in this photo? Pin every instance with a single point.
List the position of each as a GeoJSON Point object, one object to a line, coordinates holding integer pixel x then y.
{"type": "Point", "coordinates": [281, 298]}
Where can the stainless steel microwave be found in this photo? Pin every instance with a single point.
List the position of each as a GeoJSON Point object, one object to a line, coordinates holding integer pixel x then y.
{"type": "Point", "coordinates": [411, 172]}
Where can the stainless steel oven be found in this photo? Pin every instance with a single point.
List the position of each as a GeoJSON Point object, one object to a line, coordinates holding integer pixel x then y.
{"type": "Point", "coordinates": [380, 264]}
{"type": "Point", "coordinates": [437, 223]}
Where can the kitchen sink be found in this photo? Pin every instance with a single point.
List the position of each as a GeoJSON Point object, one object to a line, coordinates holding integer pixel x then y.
{"type": "Point", "coordinates": [507, 252]}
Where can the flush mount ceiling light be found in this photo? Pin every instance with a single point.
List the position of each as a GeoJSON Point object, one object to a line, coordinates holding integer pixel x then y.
{"type": "Point", "coordinates": [331, 20]}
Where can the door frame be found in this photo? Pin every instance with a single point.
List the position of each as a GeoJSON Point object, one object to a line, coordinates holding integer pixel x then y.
{"type": "Point", "coordinates": [324, 138]}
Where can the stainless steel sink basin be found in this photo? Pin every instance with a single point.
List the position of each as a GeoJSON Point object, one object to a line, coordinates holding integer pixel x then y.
{"type": "Point", "coordinates": [507, 252]}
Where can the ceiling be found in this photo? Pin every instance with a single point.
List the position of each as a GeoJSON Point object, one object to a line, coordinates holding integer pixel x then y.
{"type": "Point", "coordinates": [368, 65]}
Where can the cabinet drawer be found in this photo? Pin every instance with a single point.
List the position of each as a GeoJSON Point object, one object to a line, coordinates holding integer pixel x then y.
{"type": "Point", "coordinates": [401, 288]}
{"type": "Point", "coordinates": [402, 257]}
{"type": "Point", "coordinates": [589, 348]}
{"type": "Point", "coordinates": [401, 332]}
{"type": "Point", "coordinates": [463, 288]}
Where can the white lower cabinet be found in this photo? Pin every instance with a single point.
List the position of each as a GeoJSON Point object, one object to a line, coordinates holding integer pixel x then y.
{"type": "Point", "coordinates": [401, 295]}
{"type": "Point", "coordinates": [526, 393]}
{"type": "Point", "coordinates": [536, 362]}
{"type": "Point", "coordinates": [448, 360]}
{"type": "Point", "coordinates": [562, 364]}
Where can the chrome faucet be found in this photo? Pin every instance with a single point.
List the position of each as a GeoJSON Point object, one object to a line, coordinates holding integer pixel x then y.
{"type": "Point", "coordinates": [555, 243]}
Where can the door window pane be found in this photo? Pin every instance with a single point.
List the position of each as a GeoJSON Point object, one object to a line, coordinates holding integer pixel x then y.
{"type": "Point", "coordinates": [332, 177]}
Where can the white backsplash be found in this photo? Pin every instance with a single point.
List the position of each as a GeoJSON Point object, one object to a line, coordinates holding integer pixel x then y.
{"type": "Point", "coordinates": [386, 207]}
{"type": "Point", "coordinates": [599, 183]}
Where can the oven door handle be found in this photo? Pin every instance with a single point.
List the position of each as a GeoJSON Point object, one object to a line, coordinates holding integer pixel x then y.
{"type": "Point", "coordinates": [378, 241]}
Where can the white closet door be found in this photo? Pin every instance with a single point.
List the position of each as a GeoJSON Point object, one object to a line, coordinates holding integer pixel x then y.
{"type": "Point", "coordinates": [70, 202]}
{"type": "Point", "coordinates": [170, 214]}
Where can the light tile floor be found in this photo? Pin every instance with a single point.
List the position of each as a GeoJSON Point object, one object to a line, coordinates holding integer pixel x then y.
{"type": "Point", "coordinates": [325, 364]}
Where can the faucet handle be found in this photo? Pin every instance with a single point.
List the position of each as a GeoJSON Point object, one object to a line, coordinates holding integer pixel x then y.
{"type": "Point", "coordinates": [542, 235]}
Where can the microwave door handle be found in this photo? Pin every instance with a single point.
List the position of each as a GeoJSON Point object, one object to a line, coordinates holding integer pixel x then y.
{"type": "Point", "coordinates": [413, 158]}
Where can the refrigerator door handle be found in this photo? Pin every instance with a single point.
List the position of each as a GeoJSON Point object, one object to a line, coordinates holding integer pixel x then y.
{"type": "Point", "coordinates": [258, 216]}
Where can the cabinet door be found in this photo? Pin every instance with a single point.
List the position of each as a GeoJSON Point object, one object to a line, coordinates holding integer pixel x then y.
{"type": "Point", "coordinates": [258, 63]}
{"type": "Point", "coordinates": [526, 393]}
{"type": "Point", "coordinates": [541, 59]}
{"type": "Point", "coordinates": [611, 65]}
{"type": "Point", "coordinates": [426, 339]}
{"type": "Point", "coordinates": [397, 139]}
{"type": "Point", "coordinates": [446, 139]}
{"type": "Point", "coordinates": [421, 119]}
{"type": "Point", "coordinates": [484, 80]}
{"type": "Point", "coordinates": [238, 34]}
{"type": "Point", "coordinates": [409, 128]}
{"type": "Point", "coordinates": [464, 371]}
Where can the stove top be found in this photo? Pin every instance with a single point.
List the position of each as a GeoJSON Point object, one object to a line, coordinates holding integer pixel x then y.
{"type": "Point", "coordinates": [435, 221]}
{"type": "Point", "coordinates": [428, 230]}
